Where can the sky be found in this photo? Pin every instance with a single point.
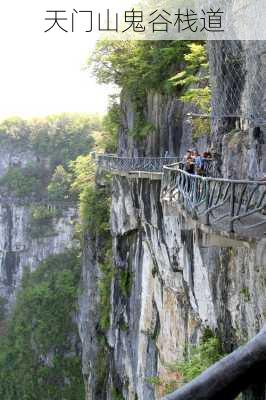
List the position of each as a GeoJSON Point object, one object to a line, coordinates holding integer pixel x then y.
{"type": "Point", "coordinates": [41, 73]}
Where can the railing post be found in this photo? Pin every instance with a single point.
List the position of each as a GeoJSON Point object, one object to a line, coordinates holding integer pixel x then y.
{"type": "Point", "coordinates": [207, 201]}
{"type": "Point", "coordinates": [232, 206]}
{"type": "Point", "coordinates": [195, 191]}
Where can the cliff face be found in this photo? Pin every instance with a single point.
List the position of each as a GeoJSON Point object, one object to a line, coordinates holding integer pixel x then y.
{"type": "Point", "coordinates": [184, 279]}
{"type": "Point", "coordinates": [171, 127]}
{"type": "Point", "coordinates": [20, 246]}
{"type": "Point", "coordinates": [89, 318]}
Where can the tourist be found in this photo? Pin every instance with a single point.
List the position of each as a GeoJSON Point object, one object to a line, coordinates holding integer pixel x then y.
{"type": "Point", "coordinates": [187, 156]}
{"type": "Point", "coordinates": [190, 165]}
{"type": "Point", "coordinates": [198, 160]}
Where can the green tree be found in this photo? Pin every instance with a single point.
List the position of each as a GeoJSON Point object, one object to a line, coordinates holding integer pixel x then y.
{"type": "Point", "coordinates": [136, 65]}
{"type": "Point", "coordinates": [111, 124]}
{"type": "Point", "coordinates": [39, 357]}
{"type": "Point", "coordinates": [194, 78]}
{"type": "Point", "coordinates": [24, 181]}
{"type": "Point", "coordinates": [55, 141]}
{"type": "Point", "coordinates": [59, 186]}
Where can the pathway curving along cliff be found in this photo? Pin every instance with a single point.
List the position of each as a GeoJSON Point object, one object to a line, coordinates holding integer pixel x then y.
{"type": "Point", "coordinates": [235, 206]}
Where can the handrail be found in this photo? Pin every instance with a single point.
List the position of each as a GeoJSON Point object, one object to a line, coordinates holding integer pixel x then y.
{"type": "Point", "coordinates": [114, 163]}
{"type": "Point", "coordinates": [223, 202]}
{"type": "Point", "coordinates": [229, 204]}
{"type": "Point", "coordinates": [245, 181]}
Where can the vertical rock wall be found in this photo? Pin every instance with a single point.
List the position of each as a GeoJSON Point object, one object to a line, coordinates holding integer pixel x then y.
{"type": "Point", "coordinates": [181, 286]}
{"type": "Point", "coordinates": [19, 249]}
{"type": "Point", "coordinates": [180, 281]}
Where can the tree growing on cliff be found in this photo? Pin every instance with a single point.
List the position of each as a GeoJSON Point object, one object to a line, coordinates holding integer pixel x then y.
{"type": "Point", "coordinates": [194, 78]}
{"type": "Point", "coordinates": [137, 66]}
{"type": "Point", "coordinates": [40, 356]}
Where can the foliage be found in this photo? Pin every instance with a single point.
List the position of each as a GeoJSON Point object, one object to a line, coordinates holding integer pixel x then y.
{"type": "Point", "coordinates": [14, 131]}
{"type": "Point", "coordinates": [41, 220]}
{"type": "Point", "coordinates": [201, 357]}
{"type": "Point", "coordinates": [83, 169]}
{"type": "Point", "coordinates": [105, 293]}
{"type": "Point", "coordinates": [136, 65]}
{"type": "Point", "coordinates": [165, 386]}
{"type": "Point", "coordinates": [245, 294]}
{"type": "Point", "coordinates": [194, 78]}
{"type": "Point", "coordinates": [39, 343]}
{"type": "Point", "coordinates": [117, 395]}
{"type": "Point", "coordinates": [55, 141]}
{"type": "Point", "coordinates": [94, 202]}
{"type": "Point", "coordinates": [64, 137]}
{"type": "Point", "coordinates": [125, 282]}
{"type": "Point", "coordinates": [2, 308]}
{"type": "Point", "coordinates": [111, 124]}
{"type": "Point", "coordinates": [201, 126]}
{"type": "Point", "coordinates": [59, 186]}
{"type": "Point", "coordinates": [60, 137]}
{"type": "Point", "coordinates": [207, 353]}
{"type": "Point", "coordinates": [41, 214]}
{"type": "Point", "coordinates": [141, 127]}
{"type": "Point", "coordinates": [101, 366]}
{"type": "Point", "coordinates": [22, 182]}
{"type": "Point", "coordinates": [94, 207]}
{"type": "Point", "coordinates": [141, 66]}
{"type": "Point", "coordinates": [38, 357]}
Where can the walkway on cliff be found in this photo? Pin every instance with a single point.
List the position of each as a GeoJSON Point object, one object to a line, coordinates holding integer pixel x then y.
{"type": "Point", "coordinates": [235, 206]}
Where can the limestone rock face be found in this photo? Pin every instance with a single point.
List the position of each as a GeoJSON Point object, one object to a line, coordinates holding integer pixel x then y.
{"type": "Point", "coordinates": [14, 157]}
{"type": "Point", "coordinates": [182, 279]}
{"type": "Point", "coordinates": [19, 247]}
{"type": "Point", "coordinates": [89, 317]}
{"type": "Point", "coordinates": [19, 250]}
{"type": "Point", "coordinates": [170, 127]}
{"type": "Point", "coordinates": [180, 286]}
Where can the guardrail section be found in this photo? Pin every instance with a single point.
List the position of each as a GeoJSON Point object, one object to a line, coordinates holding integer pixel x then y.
{"type": "Point", "coordinates": [234, 205]}
{"type": "Point", "coordinates": [140, 164]}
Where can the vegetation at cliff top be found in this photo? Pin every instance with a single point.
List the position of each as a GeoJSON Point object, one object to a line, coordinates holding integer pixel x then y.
{"type": "Point", "coordinates": [60, 137]}
{"type": "Point", "coordinates": [167, 66]}
{"type": "Point", "coordinates": [24, 181]}
{"type": "Point", "coordinates": [40, 355]}
{"type": "Point", "coordinates": [194, 78]}
{"type": "Point", "coordinates": [40, 352]}
{"type": "Point", "coordinates": [137, 66]}
{"type": "Point", "coordinates": [54, 142]}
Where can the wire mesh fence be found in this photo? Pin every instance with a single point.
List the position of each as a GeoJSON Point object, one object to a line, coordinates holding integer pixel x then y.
{"type": "Point", "coordinates": [238, 79]}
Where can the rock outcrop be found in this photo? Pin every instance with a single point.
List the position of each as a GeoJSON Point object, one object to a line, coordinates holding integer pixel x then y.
{"type": "Point", "coordinates": [182, 279]}
{"type": "Point", "coordinates": [20, 247]}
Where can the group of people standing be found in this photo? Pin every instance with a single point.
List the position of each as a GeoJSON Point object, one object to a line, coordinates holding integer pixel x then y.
{"type": "Point", "coordinates": [195, 163]}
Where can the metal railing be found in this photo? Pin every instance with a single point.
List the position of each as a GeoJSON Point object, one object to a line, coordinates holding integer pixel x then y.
{"type": "Point", "coordinates": [111, 162]}
{"type": "Point", "coordinates": [234, 205]}
{"type": "Point", "coordinates": [231, 205]}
